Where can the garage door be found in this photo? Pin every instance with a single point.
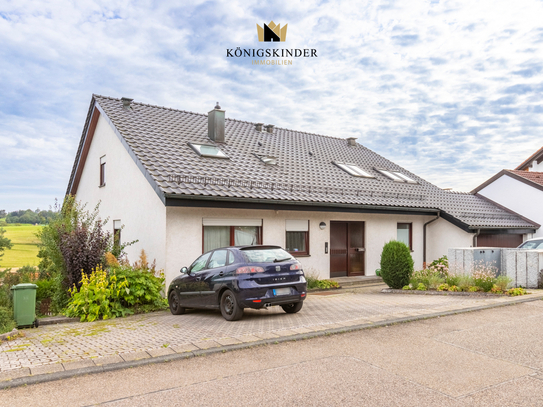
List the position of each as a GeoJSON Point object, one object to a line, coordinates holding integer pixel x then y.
{"type": "Point", "coordinates": [501, 240]}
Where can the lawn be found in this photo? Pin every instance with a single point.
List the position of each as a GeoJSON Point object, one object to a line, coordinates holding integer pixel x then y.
{"type": "Point", "coordinates": [24, 249]}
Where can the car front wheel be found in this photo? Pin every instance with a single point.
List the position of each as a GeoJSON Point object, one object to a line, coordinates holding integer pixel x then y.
{"type": "Point", "coordinates": [230, 309]}
{"type": "Point", "coordinates": [175, 305]}
{"type": "Point", "coordinates": [292, 308]}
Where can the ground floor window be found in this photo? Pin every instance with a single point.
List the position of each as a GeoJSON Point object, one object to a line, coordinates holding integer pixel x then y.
{"type": "Point", "coordinates": [231, 232]}
{"type": "Point", "coordinates": [405, 234]}
{"type": "Point", "coordinates": [297, 236]}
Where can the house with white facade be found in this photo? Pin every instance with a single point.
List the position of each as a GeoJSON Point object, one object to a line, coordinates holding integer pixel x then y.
{"type": "Point", "coordinates": [520, 191]}
{"type": "Point", "coordinates": [182, 183]}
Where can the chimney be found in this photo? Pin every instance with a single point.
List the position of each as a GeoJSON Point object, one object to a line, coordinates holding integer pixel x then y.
{"type": "Point", "coordinates": [126, 103]}
{"type": "Point", "coordinates": [351, 141]}
{"type": "Point", "coordinates": [269, 128]}
{"type": "Point", "coordinates": [215, 121]}
{"type": "Point", "coordinates": [258, 126]}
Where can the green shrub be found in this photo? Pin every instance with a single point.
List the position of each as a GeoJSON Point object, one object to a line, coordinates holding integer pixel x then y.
{"type": "Point", "coordinates": [452, 279]}
{"type": "Point", "coordinates": [454, 288]}
{"type": "Point", "coordinates": [464, 282]}
{"type": "Point", "coordinates": [98, 297]}
{"type": "Point", "coordinates": [144, 289]}
{"type": "Point", "coordinates": [443, 287]}
{"type": "Point", "coordinates": [327, 284]}
{"type": "Point", "coordinates": [396, 264]}
{"type": "Point", "coordinates": [503, 283]}
{"type": "Point", "coordinates": [513, 292]}
{"type": "Point", "coordinates": [435, 281]}
{"type": "Point", "coordinates": [6, 320]}
{"type": "Point", "coordinates": [421, 287]}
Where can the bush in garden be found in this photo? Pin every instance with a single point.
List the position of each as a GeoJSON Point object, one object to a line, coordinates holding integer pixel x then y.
{"type": "Point", "coordinates": [143, 291]}
{"type": "Point", "coordinates": [443, 287]}
{"type": "Point", "coordinates": [513, 292]}
{"type": "Point", "coordinates": [6, 320]}
{"type": "Point", "coordinates": [503, 282]}
{"type": "Point", "coordinates": [483, 276]}
{"type": "Point", "coordinates": [98, 297]}
{"type": "Point", "coordinates": [396, 264]}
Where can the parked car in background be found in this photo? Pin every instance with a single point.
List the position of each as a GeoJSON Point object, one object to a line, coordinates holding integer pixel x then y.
{"type": "Point", "coordinates": [234, 278]}
{"type": "Point", "coordinates": [536, 243]}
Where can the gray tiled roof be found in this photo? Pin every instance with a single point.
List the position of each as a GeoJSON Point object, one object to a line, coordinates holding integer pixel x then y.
{"type": "Point", "coordinates": [159, 138]}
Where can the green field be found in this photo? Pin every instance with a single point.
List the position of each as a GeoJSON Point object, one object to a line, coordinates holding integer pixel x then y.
{"type": "Point", "coordinates": [24, 250]}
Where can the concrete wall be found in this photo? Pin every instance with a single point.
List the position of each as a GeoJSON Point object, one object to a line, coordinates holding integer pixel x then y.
{"type": "Point", "coordinates": [517, 196]}
{"type": "Point", "coordinates": [184, 235]}
{"type": "Point", "coordinates": [127, 196]}
{"type": "Point", "coordinates": [441, 236]}
{"type": "Point", "coordinates": [524, 267]}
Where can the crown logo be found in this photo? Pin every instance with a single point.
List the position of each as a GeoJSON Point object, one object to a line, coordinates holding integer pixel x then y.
{"type": "Point", "coordinates": [272, 32]}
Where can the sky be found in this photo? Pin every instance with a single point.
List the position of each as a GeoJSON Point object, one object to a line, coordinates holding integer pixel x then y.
{"type": "Point", "coordinates": [450, 90]}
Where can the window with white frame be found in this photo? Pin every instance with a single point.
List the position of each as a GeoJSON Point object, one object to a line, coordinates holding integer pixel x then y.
{"type": "Point", "coordinates": [405, 234]}
{"type": "Point", "coordinates": [230, 232]}
{"type": "Point", "coordinates": [297, 236]}
{"type": "Point", "coordinates": [396, 176]}
{"type": "Point", "coordinates": [353, 169]}
{"type": "Point", "coordinates": [102, 171]}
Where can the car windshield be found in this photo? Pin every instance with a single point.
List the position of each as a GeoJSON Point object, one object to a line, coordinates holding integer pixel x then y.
{"type": "Point", "coordinates": [532, 244]}
{"type": "Point", "coordinates": [266, 255]}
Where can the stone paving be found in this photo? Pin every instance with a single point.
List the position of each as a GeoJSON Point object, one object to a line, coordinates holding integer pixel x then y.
{"type": "Point", "coordinates": [77, 345]}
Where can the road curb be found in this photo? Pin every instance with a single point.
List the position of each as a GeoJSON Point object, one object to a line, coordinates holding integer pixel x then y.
{"type": "Point", "coordinates": [65, 374]}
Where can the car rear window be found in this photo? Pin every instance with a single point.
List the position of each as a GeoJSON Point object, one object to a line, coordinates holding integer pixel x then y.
{"type": "Point", "coordinates": [266, 255]}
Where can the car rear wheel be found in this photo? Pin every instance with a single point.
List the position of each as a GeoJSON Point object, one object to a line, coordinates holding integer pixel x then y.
{"type": "Point", "coordinates": [292, 308]}
{"type": "Point", "coordinates": [175, 306]}
{"type": "Point", "coordinates": [230, 309]}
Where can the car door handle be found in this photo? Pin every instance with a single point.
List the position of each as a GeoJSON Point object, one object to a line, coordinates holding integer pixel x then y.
{"type": "Point", "coordinates": [198, 278]}
{"type": "Point", "coordinates": [221, 273]}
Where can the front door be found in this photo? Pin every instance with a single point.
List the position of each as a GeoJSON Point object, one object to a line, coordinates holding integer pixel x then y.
{"type": "Point", "coordinates": [346, 249]}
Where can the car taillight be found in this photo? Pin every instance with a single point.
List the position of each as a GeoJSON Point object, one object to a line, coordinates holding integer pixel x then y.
{"type": "Point", "coordinates": [248, 269]}
{"type": "Point", "coordinates": [296, 266]}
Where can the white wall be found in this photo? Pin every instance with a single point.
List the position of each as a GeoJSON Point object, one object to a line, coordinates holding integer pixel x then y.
{"type": "Point", "coordinates": [127, 196]}
{"type": "Point", "coordinates": [184, 235]}
{"type": "Point", "coordinates": [517, 196]}
{"type": "Point", "coordinates": [443, 235]}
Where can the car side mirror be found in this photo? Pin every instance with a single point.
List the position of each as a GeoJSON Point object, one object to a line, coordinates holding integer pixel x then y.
{"type": "Point", "coordinates": [185, 270]}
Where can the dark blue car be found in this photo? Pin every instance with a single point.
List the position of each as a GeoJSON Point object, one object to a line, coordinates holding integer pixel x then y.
{"type": "Point", "coordinates": [234, 278]}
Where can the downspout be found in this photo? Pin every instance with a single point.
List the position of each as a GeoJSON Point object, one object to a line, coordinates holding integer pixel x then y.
{"type": "Point", "coordinates": [424, 238]}
{"type": "Point", "coordinates": [475, 237]}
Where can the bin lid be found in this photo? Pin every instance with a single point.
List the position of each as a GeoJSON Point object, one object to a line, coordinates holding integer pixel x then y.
{"type": "Point", "coordinates": [27, 286]}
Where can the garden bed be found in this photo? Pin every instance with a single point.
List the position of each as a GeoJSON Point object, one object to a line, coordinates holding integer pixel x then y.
{"type": "Point", "coordinates": [435, 292]}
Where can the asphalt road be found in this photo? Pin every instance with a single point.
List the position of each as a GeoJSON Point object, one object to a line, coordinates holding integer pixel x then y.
{"type": "Point", "coordinates": [486, 358]}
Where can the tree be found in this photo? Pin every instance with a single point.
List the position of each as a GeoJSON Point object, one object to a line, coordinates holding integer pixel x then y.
{"type": "Point", "coordinates": [2, 213]}
{"type": "Point", "coordinates": [5, 243]}
{"type": "Point", "coordinates": [396, 264]}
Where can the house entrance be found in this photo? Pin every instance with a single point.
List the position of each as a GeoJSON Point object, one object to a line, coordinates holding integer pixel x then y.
{"type": "Point", "coordinates": [346, 249]}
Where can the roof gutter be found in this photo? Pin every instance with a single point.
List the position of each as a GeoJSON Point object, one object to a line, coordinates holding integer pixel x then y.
{"type": "Point", "coordinates": [250, 203]}
{"type": "Point", "coordinates": [424, 238]}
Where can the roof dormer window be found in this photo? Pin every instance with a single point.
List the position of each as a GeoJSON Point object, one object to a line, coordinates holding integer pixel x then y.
{"type": "Point", "coordinates": [206, 150]}
{"type": "Point", "coordinates": [353, 169]}
{"type": "Point", "coordinates": [396, 176]}
{"type": "Point", "coordinates": [267, 159]}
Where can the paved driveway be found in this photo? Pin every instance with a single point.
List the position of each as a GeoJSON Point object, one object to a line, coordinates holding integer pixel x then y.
{"type": "Point", "coordinates": [68, 346]}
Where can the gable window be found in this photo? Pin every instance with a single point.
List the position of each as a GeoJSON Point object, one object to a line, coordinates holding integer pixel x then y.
{"type": "Point", "coordinates": [207, 150]}
{"type": "Point", "coordinates": [405, 234]}
{"type": "Point", "coordinates": [103, 171]}
{"type": "Point", "coordinates": [117, 235]}
{"type": "Point", "coordinates": [297, 239]}
{"type": "Point", "coordinates": [230, 232]}
{"type": "Point", "coordinates": [353, 169]}
{"type": "Point", "coordinates": [396, 176]}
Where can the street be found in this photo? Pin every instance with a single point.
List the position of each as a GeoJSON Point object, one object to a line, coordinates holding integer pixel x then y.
{"type": "Point", "coordinates": [489, 357]}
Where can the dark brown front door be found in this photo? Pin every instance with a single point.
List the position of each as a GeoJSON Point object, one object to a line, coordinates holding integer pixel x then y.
{"type": "Point", "coordinates": [346, 249]}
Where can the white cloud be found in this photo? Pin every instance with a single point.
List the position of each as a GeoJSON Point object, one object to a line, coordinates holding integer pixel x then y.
{"type": "Point", "coordinates": [450, 90]}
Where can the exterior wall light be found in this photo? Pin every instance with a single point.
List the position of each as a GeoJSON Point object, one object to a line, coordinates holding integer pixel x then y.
{"type": "Point", "coordinates": [322, 225]}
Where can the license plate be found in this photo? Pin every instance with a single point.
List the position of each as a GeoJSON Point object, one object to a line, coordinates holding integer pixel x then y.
{"type": "Point", "coordinates": [281, 291]}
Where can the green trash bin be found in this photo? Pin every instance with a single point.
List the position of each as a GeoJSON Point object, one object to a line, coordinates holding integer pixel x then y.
{"type": "Point", "coordinates": [24, 305]}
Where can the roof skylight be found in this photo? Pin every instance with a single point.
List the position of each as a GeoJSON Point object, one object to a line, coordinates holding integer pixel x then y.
{"type": "Point", "coordinates": [396, 176]}
{"type": "Point", "coordinates": [353, 170]}
{"type": "Point", "coordinates": [206, 150]}
{"type": "Point", "coordinates": [267, 159]}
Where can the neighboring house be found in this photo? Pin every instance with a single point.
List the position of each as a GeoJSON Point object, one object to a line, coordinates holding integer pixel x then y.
{"type": "Point", "coordinates": [521, 191]}
{"type": "Point", "coordinates": [183, 183]}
